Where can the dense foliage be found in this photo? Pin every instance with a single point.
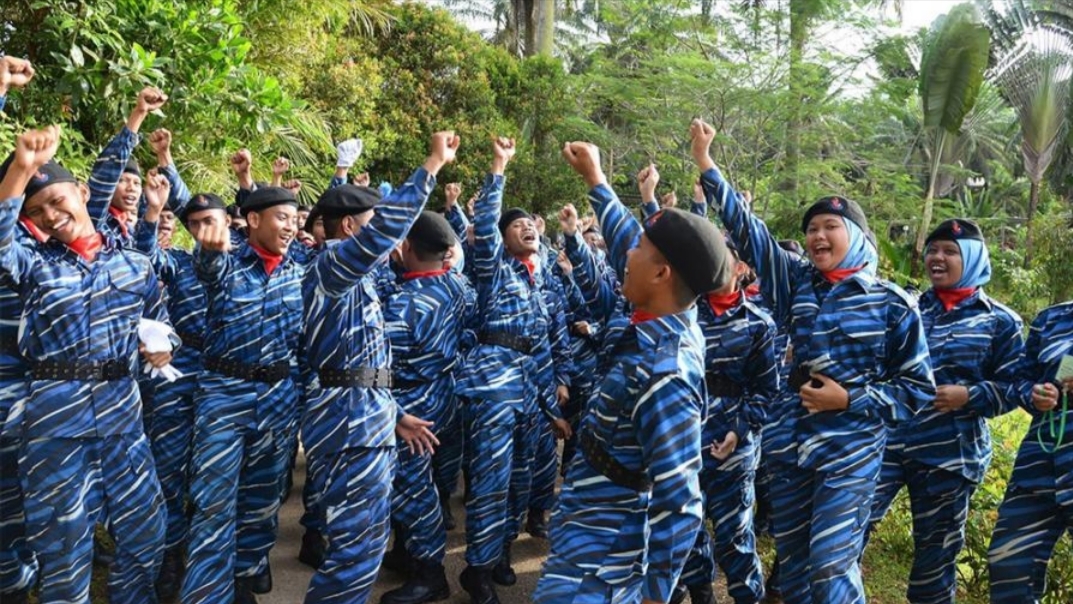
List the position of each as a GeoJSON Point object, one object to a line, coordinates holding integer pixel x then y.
{"type": "Point", "coordinates": [809, 97]}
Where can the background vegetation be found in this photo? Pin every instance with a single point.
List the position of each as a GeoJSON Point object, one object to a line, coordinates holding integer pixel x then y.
{"type": "Point", "coordinates": [967, 118]}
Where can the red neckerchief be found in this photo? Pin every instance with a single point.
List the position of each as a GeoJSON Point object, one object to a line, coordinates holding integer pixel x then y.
{"type": "Point", "coordinates": [952, 297]}
{"type": "Point", "coordinates": [87, 246]}
{"type": "Point", "coordinates": [722, 303]}
{"type": "Point", "coordinates": [640, 316]}
{"type": "Point", "coordinates": [752, 291]}
{"type": "Point", "coordinates": [840, 273]}
{"type": "Point", "coordinates": [32, 228]}
{"type": "Point", "coordinates": [271, 260]}
{"type": "Point", "coordinates": [529, 264]}
{"type": "Point", "coordinates": [421, 274]}
{"type": "Point", "coordinates": [121, 218]}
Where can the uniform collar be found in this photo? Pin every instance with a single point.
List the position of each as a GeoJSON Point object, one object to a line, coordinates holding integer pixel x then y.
{"type": "Point", "coordinates": [929, 299]}
{"type": "Point", "coordinates": [650, 332]}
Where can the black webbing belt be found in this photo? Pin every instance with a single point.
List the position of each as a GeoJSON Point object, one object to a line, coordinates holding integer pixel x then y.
{"type": "Point", "coordinates": [722, 386]}
{"type": "Point", "coordinates": [101, 371]}
{"type": "Point", "coordinates": [610, 467]}
{"type": "Point", "coordinates": [269, 374]}
{"type": "Point", "coordinates": [495, 338]}
{"type": "Point", "coordinates": [358, 377]}
{"type": "Point", "coordinates": [192, 340]}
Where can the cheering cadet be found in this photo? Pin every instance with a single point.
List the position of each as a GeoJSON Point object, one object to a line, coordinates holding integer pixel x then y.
{"type": "Point", "coordinates": [84, 455]}
{"type": "Point", "coordinates": [741, 377]}
{"type": "Point", "coordinates": [860, 364]}
{"type": "Point", "coordinates": [1038, 506]}
{"type": "Point", "coordinates": [424, 323]}
{"type": "Point", "coordinates": [630, 508]}
{"type": "Point", "coordinates": [18, 565]}
{"type": "Point", "coordinates": [942, 453]}
{"type": "Point", "coordinates": [350, 420]}
{"type": "Point", "coordinates": [246, 402]}
{"type": "Point", "coordinates": [499, 379]}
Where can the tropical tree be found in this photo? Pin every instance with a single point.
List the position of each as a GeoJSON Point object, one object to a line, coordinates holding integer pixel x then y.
{"type": "Point", "coordinates": [953, 61]}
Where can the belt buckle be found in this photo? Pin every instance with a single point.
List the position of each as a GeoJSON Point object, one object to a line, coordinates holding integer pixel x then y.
{"type": "Point", "coordinates": [111, 370]}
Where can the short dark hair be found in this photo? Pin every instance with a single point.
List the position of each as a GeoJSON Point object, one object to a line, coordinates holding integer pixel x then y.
{"type": "Point", "coordinates": [425, 253]}
{"type": "Point", "coordinates": [333, 227]}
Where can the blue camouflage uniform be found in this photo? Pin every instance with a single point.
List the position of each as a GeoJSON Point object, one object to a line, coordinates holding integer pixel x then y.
{"type": "Point", "coordinates": [499, 382]}
{"type": "Point", "coordinates": [349, 432]}
{"type": "Point", "coordinates": [244, 413]}
{"type": "Point", "coordinates": [611, 542]}
{"type": "Point", "coordinates": [171, 427]}
{"type": "Point", "coordinates": [424, 322]}
{"type": "Point", "coordinates": [942, 456]}
{"type": "Point", "coordinates": [1038, 506]}
{"type": "Point", "coordinates": [84, 456]}
{"type": "Point", "coordinates": [865, 334]}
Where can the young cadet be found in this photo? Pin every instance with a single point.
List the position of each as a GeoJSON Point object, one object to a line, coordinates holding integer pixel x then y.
{"type": "Point", "coordinates": [942, 453]}
{"type": "Point", "coordinates": [247, 400]}
{"type": "Point", "coordinates": [424, 322]}
{"type": "Point", "coordinates": [18, 565]}
{"type": "Point", "coordinates": [84, 456]}
{"type": "Point", "coordinates": [742, 378]}
{"type": "Point", "coordinates": [1038, 505]}
{"type": "Point", "coordinates": [121, 214]}
{"type": "Point", "coordinates": [351, 419]}
{"type": "Point", "coordinates": [630, 507]}
{"type": "Point", "coordinates": [860, 364]}
{"type": "Point", "coordinates": [499, 379]}
{"type": "Point", "coordinates": [171, 428]}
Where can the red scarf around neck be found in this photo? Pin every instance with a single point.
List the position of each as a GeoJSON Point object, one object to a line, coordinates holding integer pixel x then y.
{"type": "Point", "coordinates": [952, 297]}
{"type": "Point", "coordinates": [753, 290]}
{"type": "Point", "coordinates": [529, 264]}
{"type": "Point", "coordinates": [640, 316]}
{"type": "Point", "coordinates": [272, 261]}
{"type": "Point", "coordinates": [421, 274]}
{"type": "Point", "coordinates": [121, 218]}
{"type": "Point", "coordinates": [87, 246]}
{"type": "Point", "coordinates": [32, 228]}
{"type": "Point", "coordinates": [721, 303]}
{"type": "Point", "coordinates": [840, 273]}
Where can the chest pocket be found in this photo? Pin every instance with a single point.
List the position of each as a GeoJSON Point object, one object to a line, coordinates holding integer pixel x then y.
{"type": "Point", "coordinates": [866, 333]}
{"type": "Point", "coordinates": [61, 298]}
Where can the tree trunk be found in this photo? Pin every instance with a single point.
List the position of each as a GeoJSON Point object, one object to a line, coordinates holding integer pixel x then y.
{"type": "Point", "coordinates": [544, 29]}
{"type": "Point", "coordinates": [1033, 201]}
{"type": "Point", "coordinates": [800, 15]}
{"type": "Point", "coordinates": [929, 205]}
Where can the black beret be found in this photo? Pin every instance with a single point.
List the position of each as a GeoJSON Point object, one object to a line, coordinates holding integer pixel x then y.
{"type": "Point", "coordinates": [267, 197]}
{"type": "Point", "coordinates": [46, 176]}
{"type": "Point", "coordinates": [314, 214]}
{"type": "Point", "coordinates": [693, 246]}
{"type": "Point", "coordinates": [955, 229]}
{"type": "Point", "coordinates": [132, 167]}
{"type": "Point", "coordinates": [432, 232]}
{"type": "Point", "coordinates": [347, 200]}
{"type": "Point", "coordinates": [846, 208]}
{"type": "Point", "coordinates": [510, 216]}
{"type": "Point", "coordinates": [200, 203]}
{"type": "Point", "coordinates": [234, 211]}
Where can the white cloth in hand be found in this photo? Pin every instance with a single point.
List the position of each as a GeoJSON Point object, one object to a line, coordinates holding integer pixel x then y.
{"type": "Point", "coordinates": [348, 152]}
{"type": "Point", "coordinates": [156, 337]}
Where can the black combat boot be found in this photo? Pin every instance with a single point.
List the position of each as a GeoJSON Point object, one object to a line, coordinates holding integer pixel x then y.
{"type": "Point", "coordinates": [427, 583]}
{"type": "Point", "coordinates": [503, 572]}
{"type": "Point", "coordinates": [477, 581]}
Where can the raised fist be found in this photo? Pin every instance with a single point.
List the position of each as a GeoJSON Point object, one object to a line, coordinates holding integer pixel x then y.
{"type": "Point", "coordinates": [647, 181]}
{"type": "Point", "coordinates": [280, 166]}
{"type": "Point", "coordinates": [503, 149]}
{"type": "Point", "coordinates": [34, 148]}
{"type": "Point", "coordinates": [14, 72]}
{"type": "Point", "coordinates": [150, 99]}
{"type": "Point", "coordinates": [362, 180]}
{"type": "Point", "coordinates": [242, 161]}
{"type": "Point", "coordinates": [214, 237]}
{"type": "Point", "coordinates": [702, 135]}
{"type": "Point", "coordinates": [453, 191]}
{"type": "Point", "coordinates": [160, 141]}
{"type": "Point", "coordinates": [568, 220]}
{"type": "Point", "coordinates": [293, 185]}
{"type": "Point", "coordinates": [669, 200]}
{"type": "Point", "coordinates": [156, 188]}
{"type": "Point", "coordinates": [444, 146]}
{"type": "Point", "coordinates": [584, 158]}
